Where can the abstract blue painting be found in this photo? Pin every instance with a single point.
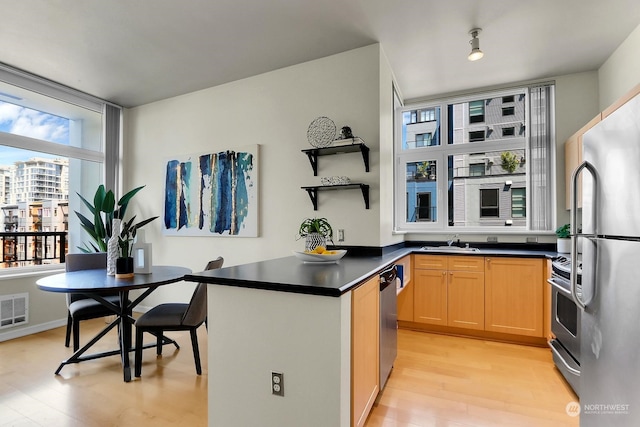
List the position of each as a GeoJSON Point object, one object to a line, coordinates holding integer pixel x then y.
{"type": "Point", "coordinates": [212, 194]}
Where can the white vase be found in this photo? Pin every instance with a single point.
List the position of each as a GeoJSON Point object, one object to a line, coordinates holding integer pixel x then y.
{"type": "Point", "coordinates": [313, 240]}
{"type": "Point", "coordinates": [112, 247]}
{"type": "Point", "coordinates": [564, 246]}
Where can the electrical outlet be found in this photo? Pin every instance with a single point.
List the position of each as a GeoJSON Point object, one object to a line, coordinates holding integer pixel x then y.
{"type": "Point", "coordinates": [341, 235]}
{"type": "Point", "coordinates": [532, 239]}
{"type": "Point", "coordinates": [277, 383]}
{"type": "Point", "coordinates": [492, 239]}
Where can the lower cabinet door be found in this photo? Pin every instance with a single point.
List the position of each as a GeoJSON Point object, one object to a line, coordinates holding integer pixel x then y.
{"type": "Point", "coordinates": [430, 296]}
{"type": "Point", "coordinates": [465, 300]}
{"type": "Point", "coordinates": [365, 353]}
{"type": "Point", "coordinates": [514, 296]}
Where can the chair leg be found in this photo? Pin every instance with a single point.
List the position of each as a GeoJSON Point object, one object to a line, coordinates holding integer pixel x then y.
{"type": "Point", "coordinates": [196, 351]}
{"type": "Point", "coordinates": [159, 343]}
{"type": "Point", "coordinates": [76, 335]}
{"type": "Point", "coordinates": [138, 361]}
{"type": "Point", "coordinates": [67, 337]}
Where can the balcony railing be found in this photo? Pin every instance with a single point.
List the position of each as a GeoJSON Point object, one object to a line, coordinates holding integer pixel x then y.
{"type": "Point", "coordinates": [20, 249]}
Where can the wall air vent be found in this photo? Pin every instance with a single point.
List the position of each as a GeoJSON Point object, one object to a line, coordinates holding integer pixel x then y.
{"type": "Point", "coordinates": [14, 310]}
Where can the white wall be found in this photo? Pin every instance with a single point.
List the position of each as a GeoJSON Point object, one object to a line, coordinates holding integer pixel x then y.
{"type": "Point", "coordinates": [313, 353]}
{"type": "Point", "coordinates": [621, 71]}
{"type": "Point", "coordinates": [273, 110]}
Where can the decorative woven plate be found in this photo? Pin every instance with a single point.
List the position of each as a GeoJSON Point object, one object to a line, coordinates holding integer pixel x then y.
{"type": "Point", "coordinates": [321, 132]}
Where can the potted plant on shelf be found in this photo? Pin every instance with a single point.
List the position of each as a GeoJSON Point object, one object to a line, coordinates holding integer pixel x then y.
{"type": "Point", "coordinates": [316, 231]}
{"type": "Point", "coordinates": [563, 233]}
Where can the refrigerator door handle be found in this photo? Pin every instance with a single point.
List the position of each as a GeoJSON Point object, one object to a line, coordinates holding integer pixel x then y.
{"type": "Point", "coordinates": [574, 223]}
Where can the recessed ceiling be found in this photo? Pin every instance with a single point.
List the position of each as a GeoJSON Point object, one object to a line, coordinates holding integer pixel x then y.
{"type": "Point", "coordinates": [133, 53]}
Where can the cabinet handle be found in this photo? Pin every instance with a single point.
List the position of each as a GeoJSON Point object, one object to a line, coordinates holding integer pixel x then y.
{"type": "Point", "coordinates": [444, 273]}
{"type": "Point", "coordinates": [488, 259]}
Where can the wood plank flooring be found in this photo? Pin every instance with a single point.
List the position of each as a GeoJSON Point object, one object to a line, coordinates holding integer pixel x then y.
{"type": "Point", "coordinates": [437, 381]}
{"type": "Point", "coordinates": [441, 380]}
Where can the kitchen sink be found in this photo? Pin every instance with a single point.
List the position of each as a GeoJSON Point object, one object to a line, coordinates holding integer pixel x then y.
{"type": "Point", "coordinates": [454, 249]}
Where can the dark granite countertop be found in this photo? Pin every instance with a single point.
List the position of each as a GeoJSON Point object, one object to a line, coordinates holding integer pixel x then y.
{"type": "Point", "coordinates": [289, 274]}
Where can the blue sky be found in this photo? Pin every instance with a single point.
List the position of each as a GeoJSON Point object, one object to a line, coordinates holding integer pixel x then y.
{"type": "Point", "coordinates": [35, 124]}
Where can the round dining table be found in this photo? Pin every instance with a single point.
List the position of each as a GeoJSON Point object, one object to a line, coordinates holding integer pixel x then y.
{"type": "Point", "coordinates": [96, 284]}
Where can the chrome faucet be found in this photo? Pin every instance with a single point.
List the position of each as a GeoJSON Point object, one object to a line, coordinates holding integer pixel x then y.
{"type": "Point", "coordinates": [452, 239]}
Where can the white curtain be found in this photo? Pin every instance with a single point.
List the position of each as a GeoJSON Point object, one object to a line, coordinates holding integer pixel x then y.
{"type": "Point", "coordinates": [541, 137]}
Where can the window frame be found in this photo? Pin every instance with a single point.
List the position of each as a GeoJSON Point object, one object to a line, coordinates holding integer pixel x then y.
{"type": "Point", "coordinates": [440, 154]}
{"type": "Point", "coordinates": [108, 154]}
{"type": "Point", "coordinates": [482, 207]}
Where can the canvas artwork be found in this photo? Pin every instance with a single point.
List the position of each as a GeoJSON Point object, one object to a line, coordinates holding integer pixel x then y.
{"type": "Point", "coordinates": [212, 194]}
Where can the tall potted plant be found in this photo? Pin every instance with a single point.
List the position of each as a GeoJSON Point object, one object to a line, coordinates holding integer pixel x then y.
{"type": "Point", "coordinates": [108, 214]}
{"type": "Point", "coordinates": [316, 231]}
{"type": "Point", "coordinates": [104, 211]}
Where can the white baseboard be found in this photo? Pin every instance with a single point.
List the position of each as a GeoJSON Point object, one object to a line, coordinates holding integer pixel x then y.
{"type": "Point", "coordinates": [33, 329]}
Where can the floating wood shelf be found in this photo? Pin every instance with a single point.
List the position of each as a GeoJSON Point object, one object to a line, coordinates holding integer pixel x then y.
{"type": "Point", "coordinates": [313, 192]}
{"type": "Point", "coordinates": [356, 145]}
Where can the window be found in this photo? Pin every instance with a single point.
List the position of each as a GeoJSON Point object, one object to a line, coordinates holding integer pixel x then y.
{"type": "Point", "coordinates": [508, 111]}
{"type": "Point", "coordinates": [421, 128]}
{"type": "Point", "coordinates": [510, 131]}
{"type": "Point", "coordinates": [476, 169]}
{"type": "Point", "coordinates": [476, 136]}
{"type": "Point", "coordinates": [424, 207]}
{"type": "Point", "coordinates": [489, 203]}
{"type": "Point", "coordinates": [459, 183]}
{"type": "Point", "coordinates": [423, 140]}
{"type": "Point", "coordinates": [53, 141]}
{"type": "Point", "coordinates": [518, 202]}
{"type": "Point", "coordinates": [476, 111]}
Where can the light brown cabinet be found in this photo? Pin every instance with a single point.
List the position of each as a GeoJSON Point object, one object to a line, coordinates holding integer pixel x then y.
{"type": "Point", "coordinates": [514, 295]}
{"type": "Point", "coordinates": [365, 339]}
{"type": "Point", "coordinates": [449, 291]}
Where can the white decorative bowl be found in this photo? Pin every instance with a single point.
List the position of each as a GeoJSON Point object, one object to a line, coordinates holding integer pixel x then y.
{"type": "Point", "coordinates": [307, 257]}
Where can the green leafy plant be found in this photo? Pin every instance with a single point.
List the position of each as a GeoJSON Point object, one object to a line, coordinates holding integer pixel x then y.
{"type": "Point", "coordinates": [564, 231]}
{"type": "Point", "coordinates": [316, 225]}
{"type": "Point", "coordinates": [104, 210]}
{"type": "Point", "coordinates": [510, 161]}
{"type": "Point", "coordinates": [127, 234]}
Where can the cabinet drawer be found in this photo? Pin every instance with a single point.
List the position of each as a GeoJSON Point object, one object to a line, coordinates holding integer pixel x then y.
{"type": "Point", "coordinates": [430, 262]}
{"type": "Point", "coordinates": [465, 263]}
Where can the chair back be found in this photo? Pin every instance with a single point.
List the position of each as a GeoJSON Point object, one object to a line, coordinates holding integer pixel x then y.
{"type": "Point", "coordinates": [197, 311]}
{"type": "Point", "coordinates": [84, 261]}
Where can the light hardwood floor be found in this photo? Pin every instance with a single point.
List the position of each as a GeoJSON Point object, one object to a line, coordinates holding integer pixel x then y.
{"type": "Point", "coordinates": [441, 380]}
{"type": "Point", "coordinates": [437, 381]}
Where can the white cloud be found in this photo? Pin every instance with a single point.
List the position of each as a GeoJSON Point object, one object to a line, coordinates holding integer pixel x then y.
{"type": "Point", "coordinates": [35, 124]}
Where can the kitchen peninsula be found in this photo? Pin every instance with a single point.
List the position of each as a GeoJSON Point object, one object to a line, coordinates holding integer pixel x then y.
{"type": "Point", "coordinates": [286, 316]}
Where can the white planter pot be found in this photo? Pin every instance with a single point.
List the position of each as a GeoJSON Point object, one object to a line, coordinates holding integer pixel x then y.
{"type": "Point", "coordinates": [564, 246]}
{"type": "Point", "coordinates": [313, 240]}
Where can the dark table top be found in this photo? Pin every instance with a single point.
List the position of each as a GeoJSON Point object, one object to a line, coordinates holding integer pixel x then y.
{"type": "Point", "coordinates": [97, 281]}
{"type": "Point", "coordinates": [290, 274]}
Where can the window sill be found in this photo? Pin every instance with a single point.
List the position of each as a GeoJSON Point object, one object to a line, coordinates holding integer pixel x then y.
{"type": "Point", "coordinates": [20, 272]}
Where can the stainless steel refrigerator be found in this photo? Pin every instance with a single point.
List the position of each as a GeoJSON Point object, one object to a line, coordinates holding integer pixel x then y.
{"type": "Point", "coordinates": [610, 294]}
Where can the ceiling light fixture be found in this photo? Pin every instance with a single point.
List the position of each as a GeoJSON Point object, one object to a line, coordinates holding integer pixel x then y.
{"type": "Point", "coordinates": [476, 53]}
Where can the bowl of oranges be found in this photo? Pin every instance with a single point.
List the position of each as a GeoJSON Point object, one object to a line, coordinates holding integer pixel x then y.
{"type": "Point", "coordinates": [320, 254]}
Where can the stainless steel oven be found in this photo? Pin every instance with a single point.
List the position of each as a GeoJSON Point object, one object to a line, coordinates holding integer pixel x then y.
{"type": "Point", "coordinates": [565, 324]}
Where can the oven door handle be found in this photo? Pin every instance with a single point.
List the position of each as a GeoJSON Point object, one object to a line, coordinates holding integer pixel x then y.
{"type": "Point", "coordinates": [559, 287]}
{"type": "Point", "coordinates": [574, 371]}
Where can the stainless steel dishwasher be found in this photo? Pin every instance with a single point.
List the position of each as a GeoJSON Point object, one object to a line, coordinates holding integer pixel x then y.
{"type": "Point", "coordinates": [388, 322]}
